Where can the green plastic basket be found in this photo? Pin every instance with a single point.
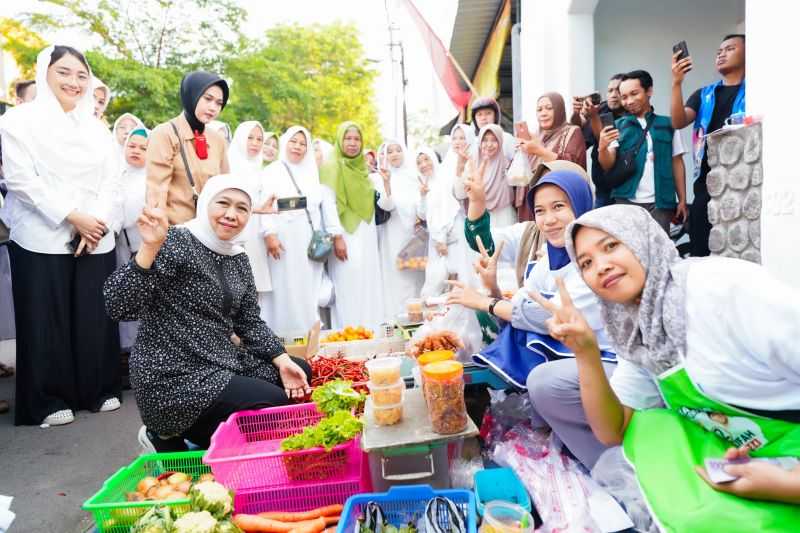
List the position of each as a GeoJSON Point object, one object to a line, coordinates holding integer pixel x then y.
{"type": "Point", "coordinates": [113, 514]}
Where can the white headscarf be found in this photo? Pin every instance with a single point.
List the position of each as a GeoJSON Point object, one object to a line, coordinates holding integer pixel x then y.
{"type": "Point", "coordinates": [240, 162]}
{"type": "Point", "coordinates": [200, 226]}
{"type": "Point", "coordinates": [134, 185]}
{"type": "Point", "coordinates": [305, 171]}
{"type": "Point", "coordinates": [67, 148]}
{"type": "Point", "coordinates": [404, 182]}
{"type": "Point", "coordinates": [442, 206]}
{"type": "Point", "coordinates": [326, 148]}
{"type": "Point", "coordinates": [139, 124]}
{"type": "Point", "coordinates": [276, 177]}
{"type": "Point", "coordinates": [451, 157]}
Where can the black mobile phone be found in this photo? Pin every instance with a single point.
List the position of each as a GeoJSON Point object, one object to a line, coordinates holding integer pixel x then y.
{"type": "Point", "coordinates": [290, 204]}
{"type": "Point", "coordinates": [681, 49]}
{"type": "Point", "coordinates": [595, 98]}
{"type": "Point", "coordinates": [607, 119]}
{"type": "Point", "coordinates": [74, 243]}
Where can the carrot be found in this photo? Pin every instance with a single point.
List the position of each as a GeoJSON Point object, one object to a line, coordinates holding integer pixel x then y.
{"type": "Point", "coordinates": [329, 510]}
{"type": "Point", "coordinates": [259, 524]}
{"type": "Point", "coordinates": [330, 530]}
{"type": "Point", "coordinates": [314, 526]}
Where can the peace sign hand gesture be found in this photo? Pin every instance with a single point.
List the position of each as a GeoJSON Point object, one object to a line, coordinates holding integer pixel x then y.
{"type": "Point", "coordinates": [568, 325]}
{"type": "Point", "coordinates": [486, 267]}
{"type": "Point", "coordinates": [474, 184]}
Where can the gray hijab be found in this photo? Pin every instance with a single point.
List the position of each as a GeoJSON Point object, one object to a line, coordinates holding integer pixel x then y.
{"type": "Point", "coordinates": [651, 334]}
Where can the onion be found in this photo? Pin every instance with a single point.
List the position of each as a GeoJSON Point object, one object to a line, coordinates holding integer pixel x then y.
{"type": "Point", "coordinates": [161, 493]}
{"type": "Point", "coordinates": [145, 484]}
{"type": "Point", "coordinates": [184, 487]}
{"type": "Point", "coordinates": [178, 478]}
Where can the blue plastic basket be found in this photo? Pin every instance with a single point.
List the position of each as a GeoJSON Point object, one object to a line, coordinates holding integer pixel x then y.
{"type": "Point", "coordinates": [500, 484]}
{"type": "Point", "coordinates": [406, 503]}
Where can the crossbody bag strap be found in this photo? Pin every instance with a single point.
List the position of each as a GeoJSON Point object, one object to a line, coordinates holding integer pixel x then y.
{"type": "Point", "coordinates": [644, 136]}
{"type": "Point", "coordinates": [185, 162]}
{"type": "Point", "coordinates": [299, 193]}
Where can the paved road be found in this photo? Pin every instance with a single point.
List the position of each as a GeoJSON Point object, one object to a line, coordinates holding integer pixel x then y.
{"type": "Point", "coordinates": [51, 472]}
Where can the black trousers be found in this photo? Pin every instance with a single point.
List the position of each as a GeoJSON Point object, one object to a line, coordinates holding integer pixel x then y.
{"type": "Point", "coordinates": [67, 347]}
{"type": "Point", "coordinates": [699, 226]}
{"type": "Point", "coordinates": [241, 394]}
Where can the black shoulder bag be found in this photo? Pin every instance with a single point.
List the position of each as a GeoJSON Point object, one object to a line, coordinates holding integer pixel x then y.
{"type": "Point", "coordinates": [624, 167]}
{"type": "Point", "coordinates": [381, 216]}
{"type": "Point", "coordinates": [186, 164]}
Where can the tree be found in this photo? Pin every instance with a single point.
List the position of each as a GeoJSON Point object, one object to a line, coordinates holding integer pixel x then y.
{"type": "Point", "coordinates": [422, 130]}
{"type": "Point", "coordinates": [23, 44]}
{"type": "Point", "coordinates": [156, 33]}
{"type": "Point", "coordinates": [316, 76]}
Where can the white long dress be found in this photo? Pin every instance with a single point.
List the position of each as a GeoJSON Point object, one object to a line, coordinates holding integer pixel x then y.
{"type": "Point", "coordinates": [445, 217]}
{"type": "Point", "coordinates": [404, 204]}
{"type": "Point", "coordinates": [357, 282]}
{"type": "Point", "coordinates": [250, 167]}
{"type": "Point", "coordinates": [293, 305]}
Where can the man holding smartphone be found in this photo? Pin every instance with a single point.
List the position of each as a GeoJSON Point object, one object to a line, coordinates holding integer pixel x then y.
{"type": "Point", "coordinates": [587, 115]}
{"type": "Point", "coordinates": [707, 108]}
{"type": "Point", "coordinates": [659, 173]}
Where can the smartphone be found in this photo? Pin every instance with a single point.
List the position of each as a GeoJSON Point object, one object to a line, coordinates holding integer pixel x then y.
{"type": "Point", "coordinates": [607, 119]}
{"type": "Point", "coordinates": [293, 203]}
{"type": "Point", "coordinates": [681, 49]}
{"type": "Point", "coordinates": [595, 98]}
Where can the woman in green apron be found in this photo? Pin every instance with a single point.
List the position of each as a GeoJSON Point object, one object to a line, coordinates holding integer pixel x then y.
{"type": "Point", "coordinates": [709, 359]}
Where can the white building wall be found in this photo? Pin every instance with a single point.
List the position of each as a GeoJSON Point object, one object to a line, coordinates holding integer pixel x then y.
{"type": "Point", "coordinates": [770, 26]}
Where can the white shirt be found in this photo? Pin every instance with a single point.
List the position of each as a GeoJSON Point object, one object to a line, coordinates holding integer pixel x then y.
{"type": "Point", "coordinates": [646, 193]}
{"type": "Point", "coordinates": [36, 213]}
{"type": "Point", "coordinates": [742, 347]}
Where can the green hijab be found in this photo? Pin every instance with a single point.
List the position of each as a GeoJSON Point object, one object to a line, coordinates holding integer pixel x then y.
{"type": "Point", "coordinates": [348, 178]}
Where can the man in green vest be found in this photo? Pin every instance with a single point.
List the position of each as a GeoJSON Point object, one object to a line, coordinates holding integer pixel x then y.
{"type": "Point", "coordinates": [658, 183]}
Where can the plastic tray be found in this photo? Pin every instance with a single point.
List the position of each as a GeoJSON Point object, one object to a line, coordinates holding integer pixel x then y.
{"type": "Point", "coordinates": [407, 503]}
{"type": "Point", "coordinates": [500, 484]}
{"type": "Point", "coordinates": [245, 451]}
{"type": "Point", "coordinates": [113, 514]}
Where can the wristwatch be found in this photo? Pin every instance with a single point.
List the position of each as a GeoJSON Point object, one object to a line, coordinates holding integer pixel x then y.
{"type": "Point", "coordinates": [492, 304]}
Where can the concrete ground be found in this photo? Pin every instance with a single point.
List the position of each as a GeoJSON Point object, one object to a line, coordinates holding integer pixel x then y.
{"type": "Point", "coordinates": [51, 472]}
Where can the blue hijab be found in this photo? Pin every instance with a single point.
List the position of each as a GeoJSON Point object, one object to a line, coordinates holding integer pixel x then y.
{"type": "Point", "coordinates": [580, 198]}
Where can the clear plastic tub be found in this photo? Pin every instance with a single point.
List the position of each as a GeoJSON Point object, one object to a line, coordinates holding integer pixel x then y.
{"type": "Point", "coordinates": [414, 309]}
{"type": "Point", "coordinates": [505, 517]}
{"type": "Point", "coordinates": [384, 370]}
{"type": "Point", "coordinates": [387, 415]}
{"type": "Point", "coordinates": [383, 395]}
{"type": "Point", "coordinates": [443, 387]}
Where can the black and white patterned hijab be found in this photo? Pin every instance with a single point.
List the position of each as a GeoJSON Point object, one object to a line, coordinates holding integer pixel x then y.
{"type": "Point", "coordinates": [652, 333]}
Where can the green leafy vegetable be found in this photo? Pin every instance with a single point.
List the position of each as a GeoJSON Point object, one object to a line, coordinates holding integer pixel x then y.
{"type": "Point", "coordinates": [331, 431]}
{"type": "Point", "coordinates": [156, 520]}
{"type": "Point", "coordinates": [336, 395]}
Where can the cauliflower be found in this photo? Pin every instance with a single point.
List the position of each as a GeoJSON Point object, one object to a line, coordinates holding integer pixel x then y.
{"type": "Point", "coordinates": [196, 522]}
{"type": "Point", "coordinates": [212, 497]}
{"type": "Point", "coordinates": [226, 526]}
{"type": "Point", "coordinates": [156, 520]}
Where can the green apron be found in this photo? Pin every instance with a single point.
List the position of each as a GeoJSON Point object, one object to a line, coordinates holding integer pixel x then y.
{"type": "Point", "coordinates": [664, 446]}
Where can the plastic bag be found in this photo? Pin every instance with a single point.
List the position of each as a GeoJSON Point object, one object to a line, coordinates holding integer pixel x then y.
{"type": "Point", "coordinates": [559, 488]}
{"type": "Point", "coordinates": [414, 253]}
{"type": "Point", "coordinates": [459, 320]}
{"type": "Point", "coordinates": [506, 410]}
{"type": "Point", "coordinates": [436, 276]}
{"type": "Point", "coordinates": [462, 472]}
{"type": "Point", "coordinates": [613, 472]}
{"type": "Point", "coordinates": [519, 172]}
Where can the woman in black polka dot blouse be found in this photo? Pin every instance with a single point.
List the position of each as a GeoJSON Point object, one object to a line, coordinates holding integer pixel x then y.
{"type": "Point", "coordinates": [193, 291]}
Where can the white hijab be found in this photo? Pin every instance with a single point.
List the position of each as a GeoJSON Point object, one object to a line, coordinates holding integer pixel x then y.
{"type": "Point", "coordinates": [240, 162]}
{"type": "Point", "coordinates": [405, 184]}
{"type": "Point", "coordinates": [200, 226]}
{"type": "Point", "coordinates": [68, 149]}
{"type": "Point", "coordinates": [442, 206]}
{"type": "Point", "coordinates": [134, 185]}
{"type": "Point", "coordinates": [139, 124]}
{"type": "Point", "coordinates": [325, 147]}
{"type": "Point", "coordinates": [451, 157]}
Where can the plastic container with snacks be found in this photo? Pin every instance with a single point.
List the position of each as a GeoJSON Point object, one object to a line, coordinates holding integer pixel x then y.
{"type": "Point", "coordinates": [387, 415]}
{"type": "Point", "coordinates": [505, 517]}
{"type": "Point", "coordinates": [414, 309]}
{"type": "Point", "coordinates": [383, 395]}
{"type": "Point", "coordinates": [384, 370]}
{"type": "Point", "coordinates": [443, 386]}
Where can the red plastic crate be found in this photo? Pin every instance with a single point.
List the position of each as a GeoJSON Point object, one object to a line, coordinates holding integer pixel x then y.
{"type": "Point", "coordinates": [245, 451]}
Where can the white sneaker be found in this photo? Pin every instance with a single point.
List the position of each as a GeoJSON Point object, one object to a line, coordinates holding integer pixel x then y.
{"type": "Point", "coordinates": [112, 404]}
{"type": "Point", "coordinates": [59, 418]}
{"type": "Point", "coordinates": [144, 441]}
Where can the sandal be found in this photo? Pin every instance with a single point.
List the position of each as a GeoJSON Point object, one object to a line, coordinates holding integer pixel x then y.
{"type": "Point", "coordinates": [59, 418]}
{"type": "Point", "coordinates": [6, 371]}
{"type": "Point", "coordinates": [112, 404]}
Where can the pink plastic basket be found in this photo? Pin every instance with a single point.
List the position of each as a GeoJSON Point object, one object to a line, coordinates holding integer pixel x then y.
{"type": "Point", "coordinates": [298, 498]}
{"type": "Point", "coordinates": [245, 451]}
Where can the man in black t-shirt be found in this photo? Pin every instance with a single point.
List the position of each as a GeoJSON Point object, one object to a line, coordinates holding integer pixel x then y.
{"type": "Point", "coordinates": [707, 108]}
